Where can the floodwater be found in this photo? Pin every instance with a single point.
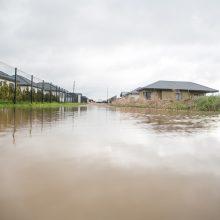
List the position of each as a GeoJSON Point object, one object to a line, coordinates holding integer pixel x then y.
{"type": "Point", "coordinates": [98, 163]}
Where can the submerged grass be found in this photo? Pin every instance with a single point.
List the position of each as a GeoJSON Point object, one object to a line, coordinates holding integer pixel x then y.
{"type": "Point", "coordinates": [38, 105]}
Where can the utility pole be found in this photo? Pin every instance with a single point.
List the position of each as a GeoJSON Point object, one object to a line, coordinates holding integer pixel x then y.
{"type": "Point", "coordinates": [42, 92]}
{"type": "Point", "coordinates": [15, 88]}
{"type": "Point", "coordinates": [32, 78]}
{"type": "Point", "coordinates": [74, 84]}
{"type": "Point", "coordinates": [107, 95]}
{"type": "Point", "coordinates": [73, 99]}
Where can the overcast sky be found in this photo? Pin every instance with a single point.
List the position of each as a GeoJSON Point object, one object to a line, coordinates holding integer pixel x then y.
{"type": "Point", "coordinates": [115, 44]}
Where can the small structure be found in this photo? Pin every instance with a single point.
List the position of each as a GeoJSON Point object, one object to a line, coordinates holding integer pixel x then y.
{"type": "Point", "coordinates": [174, 90]}
{"type": "Point", "coordinates": [124, 94]}
{"type": "Point", "coordinates": [84, 99]}
{"type": "Point", "coordinates": [79, 97]}
{"type": "Point", "coordinates": [5, 78]}
{"type": "Point", "coordinates": [55, 91]}
{"type": "Point", "coordinates": [74, 97]}
{"type": "Point", "coordinates": [134, 94]}
{"type": "Point", "coordinates": [47, 87]}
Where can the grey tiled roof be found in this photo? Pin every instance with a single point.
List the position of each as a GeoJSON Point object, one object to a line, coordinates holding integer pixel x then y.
{"type": "Point", "coordinates": [23, 81]}
{"type": "Point", "coordinates": [5, 76]}
{"type": "Point", "coordinates": [47, 87]}
{"type": "Point", "coordinates": [178, 85]}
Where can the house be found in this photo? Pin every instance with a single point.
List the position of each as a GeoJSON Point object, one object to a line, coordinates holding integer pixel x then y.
{"type": "Point", "coordinates": [174, 90]}
{"type": "Point", "coordinates": [47, 87]}
{"type": "Point", "coordinates": [84, 99]}
{"type": "Point", "coordinates": [5, 78]}
{"type": "Point", "coordinates": [25, 83]}
{"type": "Point", "coordinates": [55, 90]}
{"type": "Point", "coordinates": [74, 97]}
{"type": "Point", "coordinates": [79, 97]}
{"type": "Point", "coordinates": [61, 94]}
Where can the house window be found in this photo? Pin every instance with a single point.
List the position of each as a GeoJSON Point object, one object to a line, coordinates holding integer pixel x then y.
{"type": "Point", "coordinates": [178, 96]}
{"type": "Point", "coordinates": [147, 95]}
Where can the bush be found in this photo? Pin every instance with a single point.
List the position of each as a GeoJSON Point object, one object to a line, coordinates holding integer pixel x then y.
{"type": "Point", "coordinates": [208, 103]}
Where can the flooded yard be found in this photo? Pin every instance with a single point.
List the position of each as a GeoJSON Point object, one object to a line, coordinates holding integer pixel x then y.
{"type": "Point", "coordinates": [101, 163]}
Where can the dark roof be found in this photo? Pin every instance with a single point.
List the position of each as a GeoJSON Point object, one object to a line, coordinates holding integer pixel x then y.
{"type": "Point", "coordinates": [6, 77]}
{"type": "Point", "coordinates": [75, 94]}
{"type": "Point", "coordinates": [178, 85]}
{"type": "Point", "coordinates": [53, 87]}
{"type": "Point", "coordinates": [84, 97]}
{"type": "Point", "coordinates": [47, 86]}
{"type": "Point", "coordinates": [23, 81]}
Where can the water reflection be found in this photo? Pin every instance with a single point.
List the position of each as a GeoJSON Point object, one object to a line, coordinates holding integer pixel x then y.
{"type": "Point", "coordinates": [159, 120]}
{"type": "Point", "coordinates": [169, 121]}
{"type": "Point", "coordinates": [16, 119]}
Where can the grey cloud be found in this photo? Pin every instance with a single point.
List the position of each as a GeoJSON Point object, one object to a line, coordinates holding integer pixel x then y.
{"type": "Point", "coordinates": [116, 44]}
{"type": "Point", "coordinates": [103, 24]}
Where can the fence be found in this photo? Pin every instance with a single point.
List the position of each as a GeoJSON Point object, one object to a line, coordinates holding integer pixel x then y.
{"type": "Point", "coordinates": [17, 86]}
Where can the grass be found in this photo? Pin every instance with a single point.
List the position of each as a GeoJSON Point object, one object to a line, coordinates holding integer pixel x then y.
{"type": "Point", "coordinates": [207, 103]}
{"type": "Point", "coordinates": [204, 103]}
{"type": "Point", "coordinates": [38, 105]}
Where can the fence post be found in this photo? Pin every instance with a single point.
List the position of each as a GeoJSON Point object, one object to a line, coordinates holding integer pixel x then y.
{"type": "Point", "coordinates": [15, 89]}
{"type": "Point", "coordinates": [31, 89]}
{"type": "Point", "coordinates": [59, 94]}
{"type": "Point", "coordinates": [56, 93]}
{"type": "Point", "coordinates": [42, 92]}
{"type": "Point", "coordinates": [50, 93]}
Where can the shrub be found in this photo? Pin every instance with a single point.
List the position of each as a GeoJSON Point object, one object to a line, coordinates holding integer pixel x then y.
{"type": "Point", "coordinates": [208, 103]}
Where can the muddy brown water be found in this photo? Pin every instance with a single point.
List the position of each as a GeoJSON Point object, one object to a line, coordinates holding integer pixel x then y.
{"type": "Point", "coordinates": [100, 163]}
